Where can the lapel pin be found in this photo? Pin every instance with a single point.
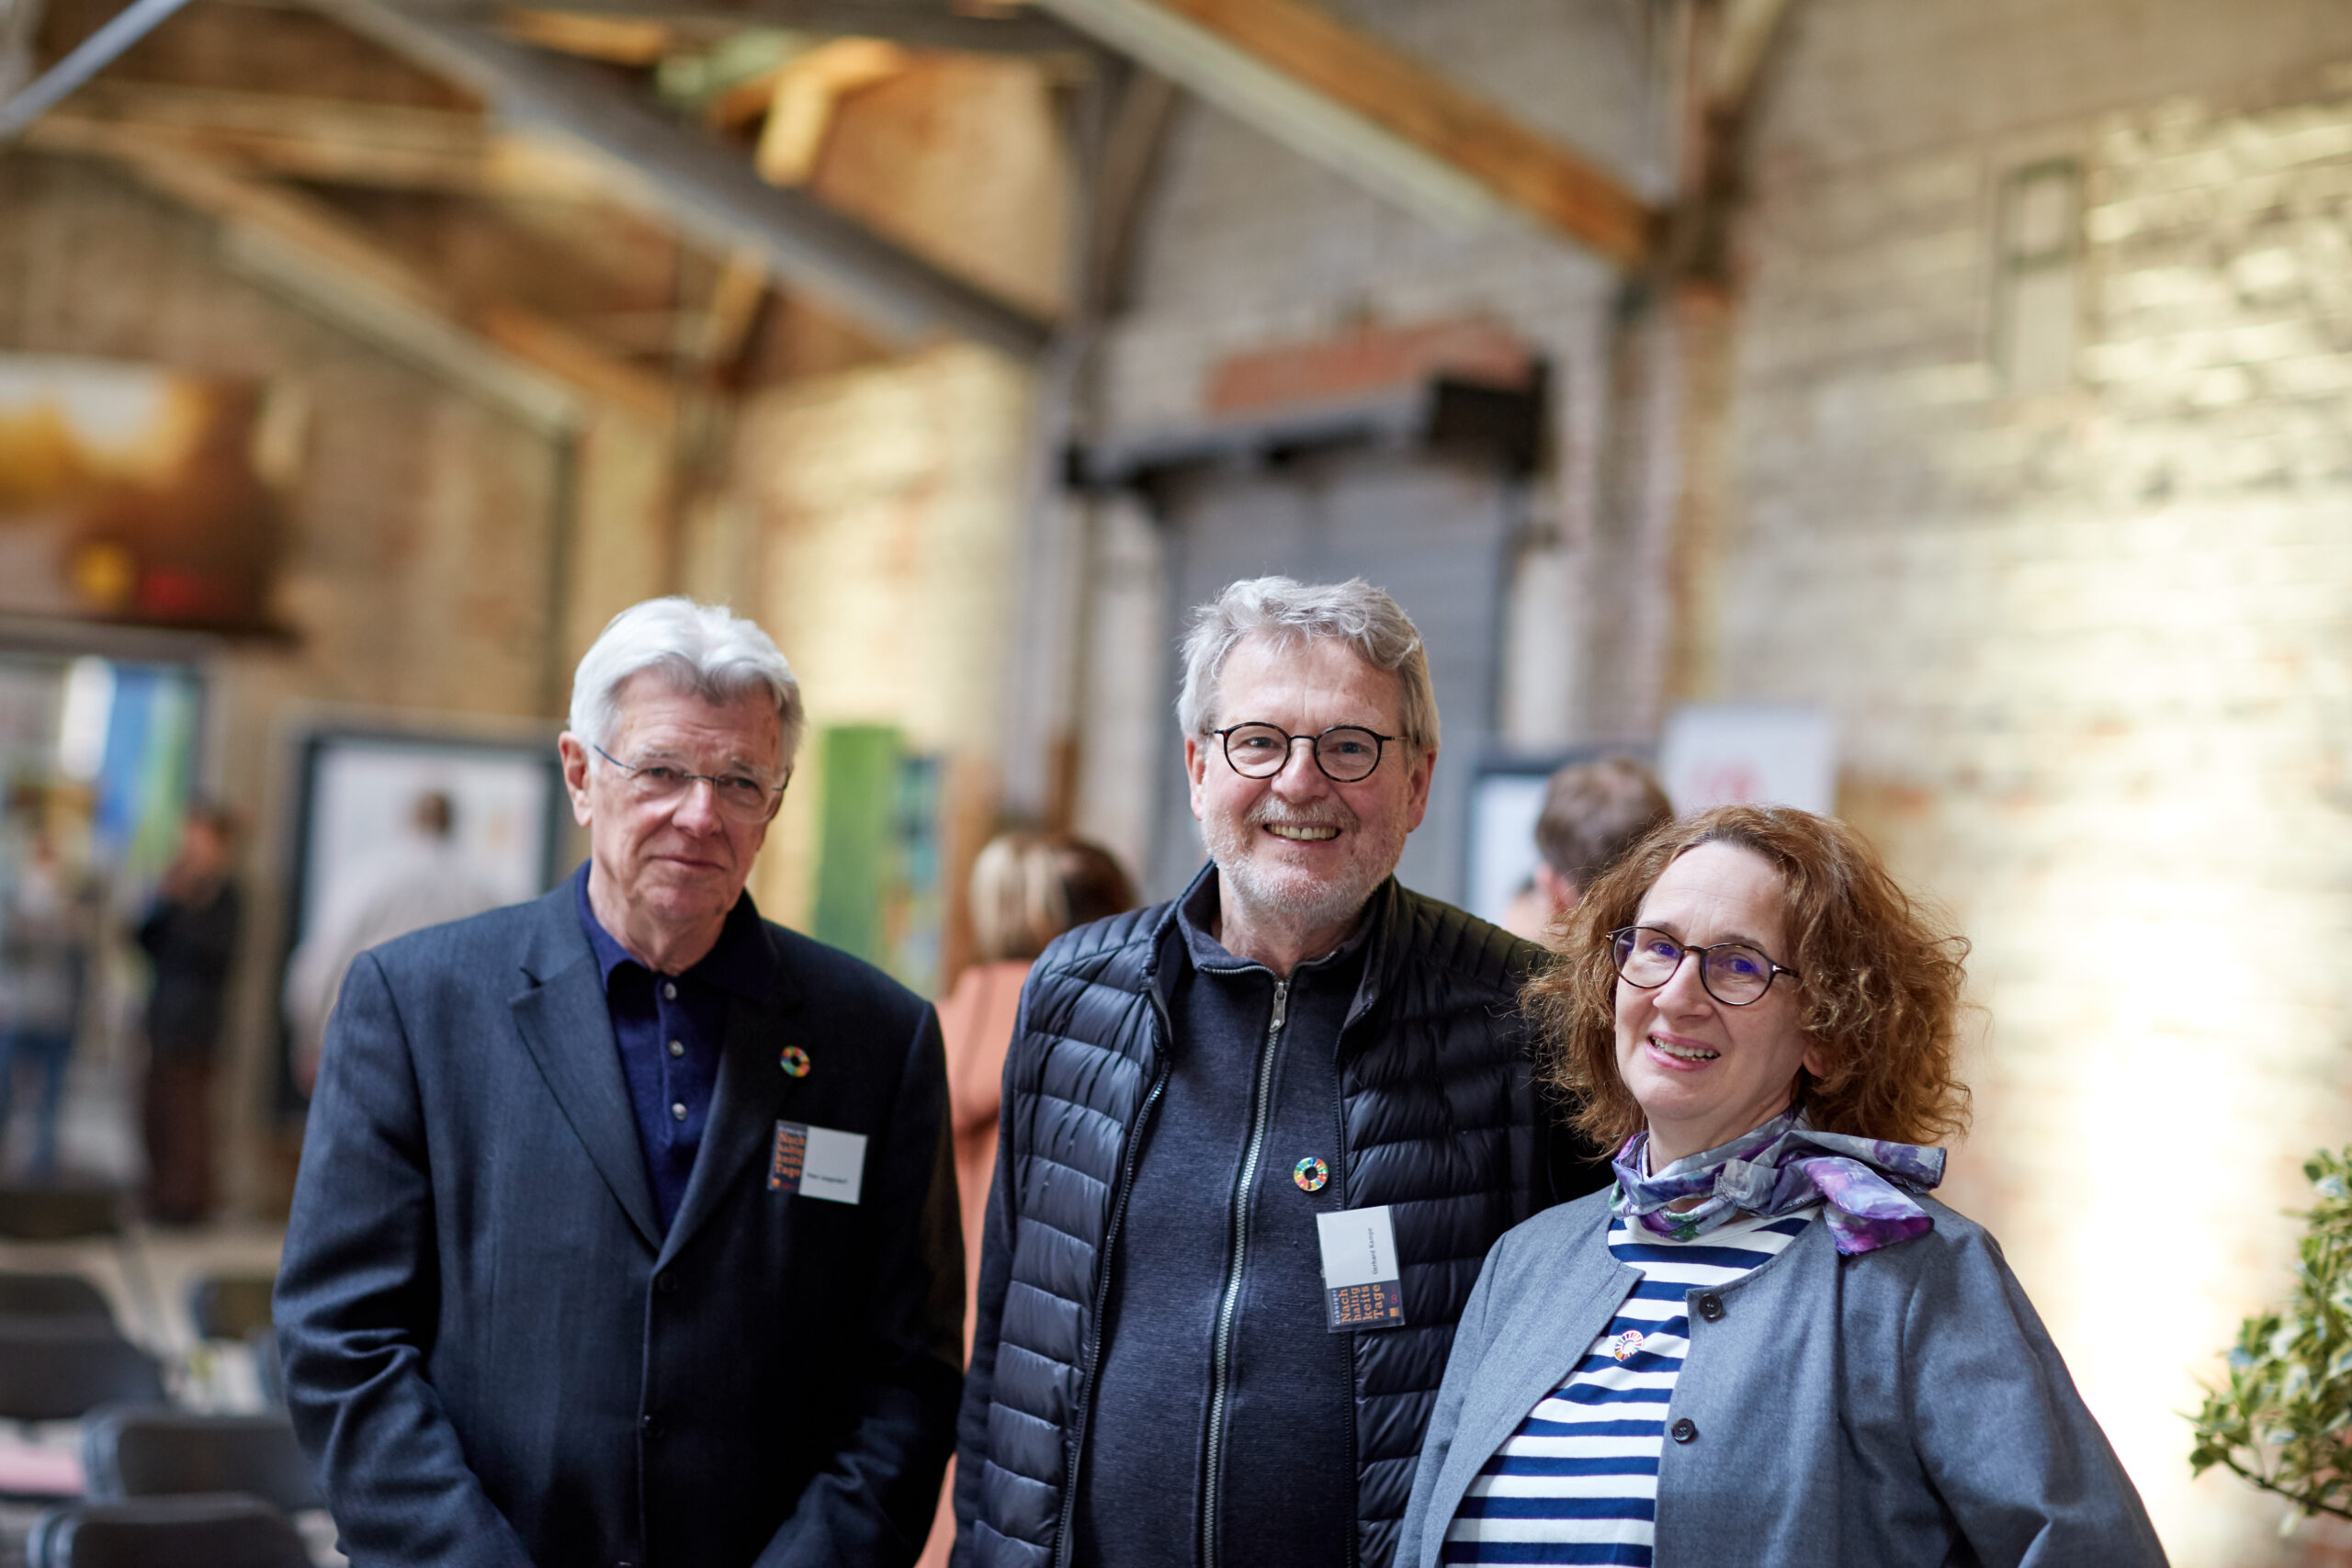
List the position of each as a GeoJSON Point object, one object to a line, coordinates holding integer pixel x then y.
{"type": "Point", "coordinates": [795, 1062]}
{"type": "Point", "coordinates": [1627, 1344]}
{"type": "Point", "coordinates": [1310, 1174]}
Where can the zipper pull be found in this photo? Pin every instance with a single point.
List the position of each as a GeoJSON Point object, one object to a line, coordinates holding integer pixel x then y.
{"type": "Point", "coordinates": [1282, 1007]}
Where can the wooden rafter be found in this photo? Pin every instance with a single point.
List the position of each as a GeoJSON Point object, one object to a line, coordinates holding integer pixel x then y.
{"type": "Point", "coordinates": [916, 25]}
{"type": "Point", "coordinates": [707, 191]}
{"type": "Point", "coordinates": [331, 141]}
{"type": "Point", "coordinates": [1335, 93]}
{"type": "Point", "coordinates": [802, 95]}
{"type": "Point", "coordinates": [324, 235]}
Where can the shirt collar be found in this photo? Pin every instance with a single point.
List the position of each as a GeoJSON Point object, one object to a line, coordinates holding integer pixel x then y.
{"type": "Point", "coordinates": [741, 962]}
{"type": "Point", "coordinates": [1196, 916]}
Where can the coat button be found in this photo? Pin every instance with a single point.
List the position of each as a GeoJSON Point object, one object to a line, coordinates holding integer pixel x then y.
{"type": "Point", "coordinates": [1683, 1430]}
{"type": "Point", "coordinates": [667, 1284]}
{"type": "Point", "coordinates": [653, 1429]}
{"type": "Point", "coordinates": [1710, 1307]}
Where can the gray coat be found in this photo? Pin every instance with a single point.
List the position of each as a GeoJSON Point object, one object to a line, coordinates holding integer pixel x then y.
{"type": "Point", "coordinates": [1900, 1407]}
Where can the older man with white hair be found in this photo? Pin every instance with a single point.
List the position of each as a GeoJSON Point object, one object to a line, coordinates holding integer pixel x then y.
{"type": "Point", "coordinates": [1255, 1141]}
{"type": "Point", "coordinates": [626, 1230]}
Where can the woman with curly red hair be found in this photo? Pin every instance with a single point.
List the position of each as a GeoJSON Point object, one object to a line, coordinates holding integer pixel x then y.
{"type": "Point", "coordinates": [1766, 1343]}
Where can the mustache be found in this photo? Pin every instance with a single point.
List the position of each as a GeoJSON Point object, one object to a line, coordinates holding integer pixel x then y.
{"type": "Point", "coordinates": [1270, 813]}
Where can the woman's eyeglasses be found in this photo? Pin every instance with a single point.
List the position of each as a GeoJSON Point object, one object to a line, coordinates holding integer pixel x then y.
{"type": "Point", "coordinates": [1733, 973]}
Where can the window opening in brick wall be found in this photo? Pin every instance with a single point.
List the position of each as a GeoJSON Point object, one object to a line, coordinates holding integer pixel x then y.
{"type": "Point", "coordinates": [2036, 275]}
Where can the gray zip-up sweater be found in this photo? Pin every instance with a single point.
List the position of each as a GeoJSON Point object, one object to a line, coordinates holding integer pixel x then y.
{"type": "Point", "coordinates": [1903, 1408]}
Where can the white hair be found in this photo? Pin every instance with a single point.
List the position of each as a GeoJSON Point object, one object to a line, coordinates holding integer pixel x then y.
{"type": "Point", "coordinates": [1365, 618]}
{"type": "Point", "coordinates": [704, 650]}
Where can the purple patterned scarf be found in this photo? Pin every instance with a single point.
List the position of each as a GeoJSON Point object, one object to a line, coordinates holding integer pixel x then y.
{"type": "Point", "coordinates": [1780, 1167]}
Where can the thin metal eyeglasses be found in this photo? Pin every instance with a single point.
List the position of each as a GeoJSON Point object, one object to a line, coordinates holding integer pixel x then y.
{"type": "Point", "coordinates": [1733, 973]}
{"type": "Point", "coordinates": [1347, 754]}
{"type": "Point", "coordinates": [737, 796]}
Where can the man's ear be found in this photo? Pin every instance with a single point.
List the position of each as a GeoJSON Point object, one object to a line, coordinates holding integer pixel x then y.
{"type": "Point", "coordinates": [1196, 771]}
{"type": "Point", "coordinates": [1417, 804]}
{"type": "Point", "coordinates": [575, 774]}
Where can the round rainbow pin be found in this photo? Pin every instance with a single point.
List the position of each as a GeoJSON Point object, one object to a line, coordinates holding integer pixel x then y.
{"type": "Point", "coordinates": [1310, 1174]}
{"type": "Point", "coordinates": [795, 1062]}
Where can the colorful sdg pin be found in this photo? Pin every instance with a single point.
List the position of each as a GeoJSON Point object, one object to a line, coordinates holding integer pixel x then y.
{"type": "Point", "coordinates": [795, 1062]}
{"type": "Point", "coordinates": [1310, 1174]}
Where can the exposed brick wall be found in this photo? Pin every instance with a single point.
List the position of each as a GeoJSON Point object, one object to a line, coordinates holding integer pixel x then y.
{"type": "Point", "coordinates": [2091, 649]}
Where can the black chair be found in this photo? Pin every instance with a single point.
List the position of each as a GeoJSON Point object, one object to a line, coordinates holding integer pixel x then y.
{"type": "Point", "coordinates": [25, 1295]}
{"type": "Point", "coordinates": [230, 1306]}
{"type": "Point", "coordinates": [220, 1530]}
{"type": "Point", "coordinates": [159, 1452]}
{"type": "Point", "coordinates": [59, 1214]}
{"type": "Point", "coordinates": [54, 1369]}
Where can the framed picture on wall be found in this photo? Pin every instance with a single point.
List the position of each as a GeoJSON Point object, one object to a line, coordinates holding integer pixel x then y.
{"type": "Point", "coordinates": [395, 829]}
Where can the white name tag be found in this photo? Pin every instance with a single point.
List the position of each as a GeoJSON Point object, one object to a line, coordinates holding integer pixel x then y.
{"type": "Point", "coordinates": [1360, 1288]}
{"type": "Point", "coordinates": [818, 1162]}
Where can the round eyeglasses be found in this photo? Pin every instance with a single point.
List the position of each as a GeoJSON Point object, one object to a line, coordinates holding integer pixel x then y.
{"type": "Point", "coordinates": [1346, 753]}
{"type": "Point", "coordinates": [739, 797]}
{"type": "Point", "coordinates": [1733, 973]}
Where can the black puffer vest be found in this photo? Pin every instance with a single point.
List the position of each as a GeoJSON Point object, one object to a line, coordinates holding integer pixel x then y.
{"type": "Point", "coordinates": [1441, 1121]}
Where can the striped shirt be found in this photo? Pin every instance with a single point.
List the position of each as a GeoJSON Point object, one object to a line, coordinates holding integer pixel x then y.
{"type": "Point", "coordinates": [1577, 1483]}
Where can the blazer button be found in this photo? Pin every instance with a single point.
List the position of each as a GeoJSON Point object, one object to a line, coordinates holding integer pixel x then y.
{"type": "Point", "coordinates": [1710, 1307]}
{"type": "Point", "coordinates": [653, 1429]}
{"type": "Point", "coordinates": [1683, 1430]}
{"type": "Point", "coordinates": [666, 1283]}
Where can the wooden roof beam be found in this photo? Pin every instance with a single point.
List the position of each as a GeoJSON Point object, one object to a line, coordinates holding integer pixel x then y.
{"type": "Point", "coordinates": [707, 190]}
{"type": "Point", "coordinates": [383, 287]}
{"type": "Point", "coordinates": [1340, 97]}
{"type": "Point", "coordinates": [330, 141]}
{"type": "Point", "coordinates": [917, 26]}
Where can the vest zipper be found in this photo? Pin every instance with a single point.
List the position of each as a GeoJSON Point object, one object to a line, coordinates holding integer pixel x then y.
{"type": "Point", "coordinates": [1084, 1400]}
{"type": "Point", "coordinates": [1221, 1354]}
{"type": "Point", "coordinates": [1340, 1179]}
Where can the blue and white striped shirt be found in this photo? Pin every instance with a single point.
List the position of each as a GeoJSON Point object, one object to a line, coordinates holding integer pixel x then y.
{"type": "Point", "coordinates": [1577, 1483]}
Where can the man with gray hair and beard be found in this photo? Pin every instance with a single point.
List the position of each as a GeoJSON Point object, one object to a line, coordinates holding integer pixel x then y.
{"type": "Point", "coordinates": [1254, 1141]}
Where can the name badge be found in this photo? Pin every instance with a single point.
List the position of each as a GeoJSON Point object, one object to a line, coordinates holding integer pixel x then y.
{"type": "Point", "coordinates": [1361, 1280]}
{"type": "Point", "coordinates": [817, 1162]}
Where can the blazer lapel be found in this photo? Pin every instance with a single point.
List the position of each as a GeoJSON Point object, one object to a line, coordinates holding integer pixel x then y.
{"type": "Point", "coordinates": [743, 1106]}
{"type": "Point", "coordinates": [1525, 1357]}
{"type": "Point", "coordinates": [565, 1024]}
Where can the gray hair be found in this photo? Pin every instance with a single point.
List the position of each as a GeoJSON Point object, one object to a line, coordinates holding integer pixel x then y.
{"type": "Point", "coordinates": [1370, 623]}
{"type": "Point", "coordinates": [704, 650]}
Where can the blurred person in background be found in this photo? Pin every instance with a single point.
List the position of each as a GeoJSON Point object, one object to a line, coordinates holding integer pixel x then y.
{"type": "Point", "coordinates": [1764, 1344]}
{"type": "Point", "coordinates": [422, 879]}
{"type": "Point", "coordinates": [1025, 890]}
{"type": "Point", "coordinates": [189, 936]}
{"type": "Point", "coordinates": [1166, 1373]}
{"type": "Point", "coordinates": [1593, 812]}
{"type": "Point", "coordinates": [626, 1228]}
{"type": "Point", "coordinates": [47, 928]}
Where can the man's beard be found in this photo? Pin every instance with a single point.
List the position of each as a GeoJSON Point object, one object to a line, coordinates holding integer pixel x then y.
{"type": "Point", "coordinates": [1294, 899]}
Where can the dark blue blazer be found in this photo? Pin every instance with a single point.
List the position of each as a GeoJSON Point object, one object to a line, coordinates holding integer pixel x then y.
{"type": "Point", "coordinates": [493, 1353]}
